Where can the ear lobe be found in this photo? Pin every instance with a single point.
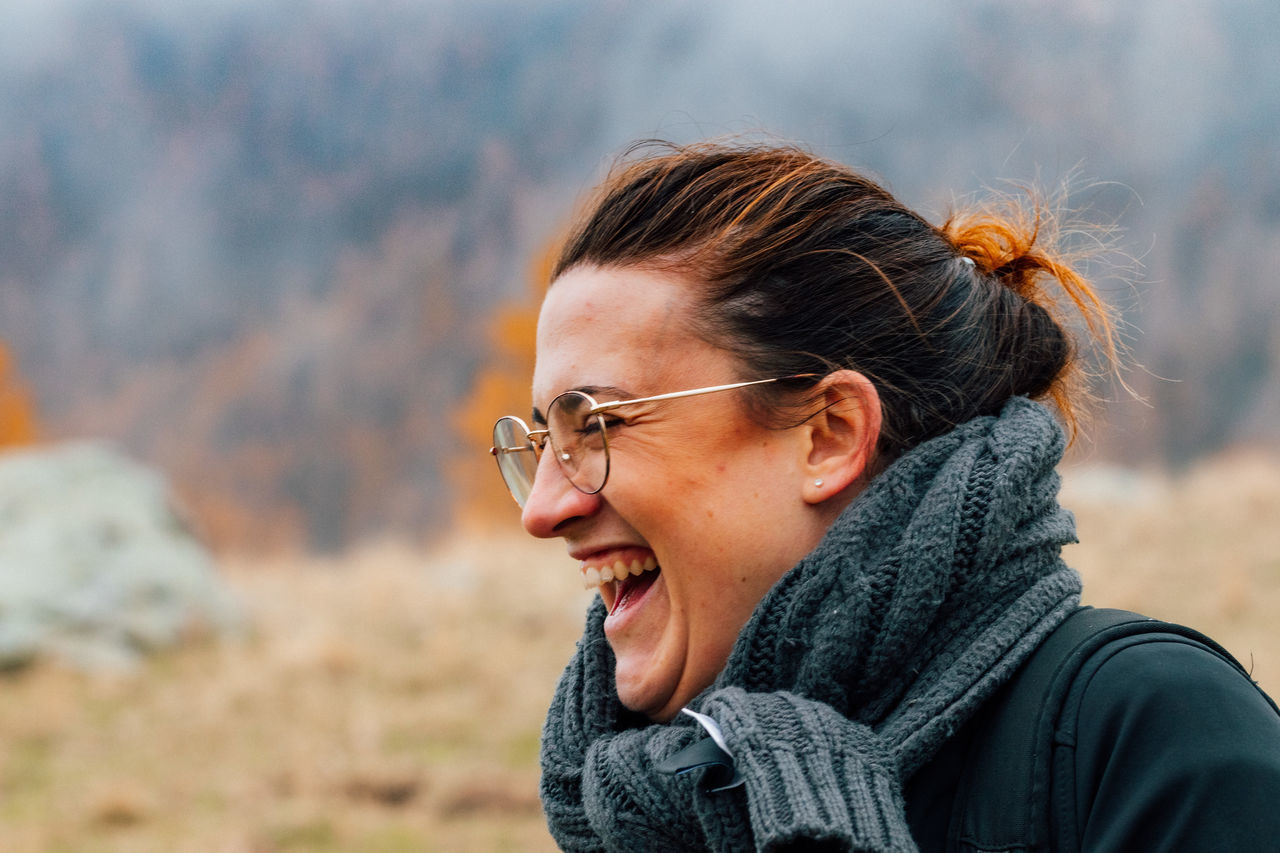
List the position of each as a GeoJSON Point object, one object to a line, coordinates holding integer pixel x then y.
{"type": "Point", "coordinates": [842, 435]}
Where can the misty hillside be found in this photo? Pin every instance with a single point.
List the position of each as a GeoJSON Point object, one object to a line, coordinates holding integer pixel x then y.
{"type": "Point", "coordinates": [260, 245]}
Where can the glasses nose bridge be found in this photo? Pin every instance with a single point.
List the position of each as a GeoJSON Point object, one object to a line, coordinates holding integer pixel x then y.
{"type": "Point", "coordinates": [548, 489]}
{"type": "Point", "coordinates": [538, 438]}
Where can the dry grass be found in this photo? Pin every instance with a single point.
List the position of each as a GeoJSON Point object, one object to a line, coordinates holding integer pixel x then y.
{"type": "Point", "coordinates": [387, 702]}
{"type": "Point", "coordinates": [392, 700]}
{"type": "Point", "coordinates": [1202, 549]}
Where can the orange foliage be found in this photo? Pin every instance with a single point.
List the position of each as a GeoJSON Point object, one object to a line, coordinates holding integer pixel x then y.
{"type": "Point", "coordinates": [17, 413]}
{"type": "Point", "coordinates": [224, 523]}
{"type": "Point", "coordinates": [501, 388]}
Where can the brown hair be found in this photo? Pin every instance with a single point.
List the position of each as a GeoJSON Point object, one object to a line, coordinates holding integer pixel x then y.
{"type": "Point", "coordinates": [809, 266]}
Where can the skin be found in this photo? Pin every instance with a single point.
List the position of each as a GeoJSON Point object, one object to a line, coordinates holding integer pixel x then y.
{"type": "Point", "coordinates": [724, 504]}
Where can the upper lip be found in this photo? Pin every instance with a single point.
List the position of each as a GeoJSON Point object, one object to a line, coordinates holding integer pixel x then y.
{"type": "Point", "coordinates": [586, 553]}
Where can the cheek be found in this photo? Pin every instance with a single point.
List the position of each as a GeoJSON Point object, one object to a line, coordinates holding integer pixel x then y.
{"type": "Point", "coordinates": [706, 493]}
{"type": "Point", "coordinates": [741, 456]}
{"type": "Point", "coordinates": [669, 464]}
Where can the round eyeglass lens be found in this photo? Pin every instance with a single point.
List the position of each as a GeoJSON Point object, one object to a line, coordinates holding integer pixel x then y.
{"type": "Point", "coordinates": [517, 459]}
{"type": "Point", "coordinates": [578, 441]}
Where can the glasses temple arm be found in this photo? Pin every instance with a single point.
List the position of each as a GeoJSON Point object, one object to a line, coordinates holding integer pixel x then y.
{"type": "Point", "coordinates": [599, 408]}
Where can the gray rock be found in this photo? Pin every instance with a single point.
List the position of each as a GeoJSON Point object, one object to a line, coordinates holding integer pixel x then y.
{"type": "Point", "coordinates": [96, 569]}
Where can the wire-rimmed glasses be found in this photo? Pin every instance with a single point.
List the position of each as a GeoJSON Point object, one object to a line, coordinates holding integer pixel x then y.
{"type": "Point", "coordinates": [579, 437]}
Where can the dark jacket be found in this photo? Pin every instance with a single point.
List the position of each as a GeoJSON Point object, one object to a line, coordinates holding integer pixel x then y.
{"type": "Point", "coordinates": [1175, 751]}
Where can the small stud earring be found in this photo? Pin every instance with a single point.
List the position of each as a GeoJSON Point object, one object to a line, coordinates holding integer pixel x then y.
{"type": "Point", "coordinates": [818, 483]}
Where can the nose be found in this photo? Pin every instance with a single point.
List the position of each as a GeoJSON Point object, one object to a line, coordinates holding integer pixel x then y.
{"type": "Point", "coordinates": [554, 502]}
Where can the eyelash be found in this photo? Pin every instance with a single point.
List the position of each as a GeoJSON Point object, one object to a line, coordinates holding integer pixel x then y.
{"type": "Point", "coordinates": [610, 421]}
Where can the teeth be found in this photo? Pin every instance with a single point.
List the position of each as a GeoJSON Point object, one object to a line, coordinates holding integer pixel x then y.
{"type": "Point", "coordinates": [594, 577]}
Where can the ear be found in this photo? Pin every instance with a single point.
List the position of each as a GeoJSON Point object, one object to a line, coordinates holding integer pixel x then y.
{"type": "Point", "coordinates": [841, 437]}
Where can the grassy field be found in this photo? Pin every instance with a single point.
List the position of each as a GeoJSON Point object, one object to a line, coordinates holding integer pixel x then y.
{"type": "Point", "coordinates": [391, 700]}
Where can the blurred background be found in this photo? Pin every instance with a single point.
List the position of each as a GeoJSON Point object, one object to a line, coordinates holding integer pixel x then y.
{"type": "Point", "coordinates": [268, 270]}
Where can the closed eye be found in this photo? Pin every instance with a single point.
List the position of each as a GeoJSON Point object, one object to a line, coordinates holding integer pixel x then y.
{"type": "Point", "coordinates": [591, 427]}
{"type": "Point", "coordinates": [592, 424]}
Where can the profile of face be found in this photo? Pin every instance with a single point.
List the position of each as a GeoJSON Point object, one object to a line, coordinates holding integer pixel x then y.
{"type": "Point", "coordinates": [705, 508]}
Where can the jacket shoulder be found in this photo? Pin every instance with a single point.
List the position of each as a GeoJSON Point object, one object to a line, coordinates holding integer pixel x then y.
{"type": "Point", "coordinates": [1173, 748]}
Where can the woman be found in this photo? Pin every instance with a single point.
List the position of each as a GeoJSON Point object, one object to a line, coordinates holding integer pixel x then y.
{"type": "Point", "coordinates": [800, 444]}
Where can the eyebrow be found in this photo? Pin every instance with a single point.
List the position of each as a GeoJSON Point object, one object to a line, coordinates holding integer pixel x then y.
{"type": "Point", "coordinates": [599, 393]}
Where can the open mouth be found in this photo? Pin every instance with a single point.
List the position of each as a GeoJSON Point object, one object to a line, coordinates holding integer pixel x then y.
{"type": "Point", "coordinates": [622, 582]}
{"type": "Point", "coordinates": [632, 588]}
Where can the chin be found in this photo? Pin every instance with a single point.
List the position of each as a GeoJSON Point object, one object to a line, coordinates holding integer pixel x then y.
{"type": "Point", "coordinates": [638, 700]}
{"type": "Point", "coordinates": [664, 715]}
{"type": "Point", "coordinates": [654, 702]}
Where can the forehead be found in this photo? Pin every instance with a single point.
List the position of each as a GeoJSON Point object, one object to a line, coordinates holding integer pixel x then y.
{"type": "Point", "coordinates": [622, 327]}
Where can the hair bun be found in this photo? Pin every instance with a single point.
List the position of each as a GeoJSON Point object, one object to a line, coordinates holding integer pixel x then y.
{"type": "Point", "coordinates": [1017, 245]}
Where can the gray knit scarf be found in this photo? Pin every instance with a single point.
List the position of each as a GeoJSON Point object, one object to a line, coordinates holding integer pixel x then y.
{"type": "Point", "coordinates": [922, 599]}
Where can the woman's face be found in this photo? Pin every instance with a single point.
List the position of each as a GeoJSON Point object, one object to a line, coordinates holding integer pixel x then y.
{"type": "Point", "coordinates": [696, 488]}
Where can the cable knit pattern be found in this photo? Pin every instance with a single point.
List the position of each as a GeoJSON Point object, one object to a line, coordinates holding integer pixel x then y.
{"type": "Point", "coordinates": [923, 598]}
{"type": "Point", "coordinates": [819, 776]}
